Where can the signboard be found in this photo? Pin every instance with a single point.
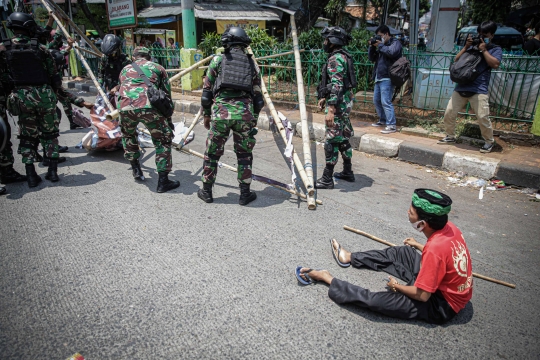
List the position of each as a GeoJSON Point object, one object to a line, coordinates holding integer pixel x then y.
{"type": "Point", "coordinates": [224, 24]}
{"type": "Point", "coordinates": [121, 13]}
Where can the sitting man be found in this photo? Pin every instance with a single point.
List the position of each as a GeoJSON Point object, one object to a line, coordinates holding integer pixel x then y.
{"type": "Point", "coordinates": [438, 283]}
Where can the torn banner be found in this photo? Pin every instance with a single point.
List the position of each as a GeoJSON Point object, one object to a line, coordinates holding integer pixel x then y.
{"type": "Point", "coordinates": [104, 134]}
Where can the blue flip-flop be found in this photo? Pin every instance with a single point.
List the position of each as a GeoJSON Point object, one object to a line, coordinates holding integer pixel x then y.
{"type": "Point", "coordinates": [301, 280]}
{"type": "Point", "coordinates": [336, 256]}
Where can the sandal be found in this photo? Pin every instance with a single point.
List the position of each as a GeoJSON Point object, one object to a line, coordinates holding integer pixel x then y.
{"type": "Point", "coordinates": [336, 256]}
{"type": "Point", "coordinates": [308, 280]}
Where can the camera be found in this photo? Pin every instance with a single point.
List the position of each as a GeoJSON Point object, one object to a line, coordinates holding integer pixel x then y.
{"type": "Point", "coordinates": [374, 39]}
{"type": "Point", "coordinates": [475, 39]}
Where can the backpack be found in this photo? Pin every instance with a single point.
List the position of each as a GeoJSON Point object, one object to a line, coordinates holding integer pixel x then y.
{"type": "Point", "coordinates": [400, 72]}
{"type": "Point", "coordinates": [464, 71]}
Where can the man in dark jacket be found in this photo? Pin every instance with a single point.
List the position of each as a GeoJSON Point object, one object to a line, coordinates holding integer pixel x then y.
{"type": "Point", "coordinates": [384, 53]}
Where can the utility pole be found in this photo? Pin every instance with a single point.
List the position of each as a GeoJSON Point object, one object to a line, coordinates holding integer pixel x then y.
{"type": "Point", "coordinates": [188, 24]}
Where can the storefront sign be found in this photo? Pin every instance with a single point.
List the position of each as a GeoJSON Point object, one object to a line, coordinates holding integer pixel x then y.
{"type": "Point", "coordinates": [224, 24]}
{"type": "Point", "coordinates": [121, 13]}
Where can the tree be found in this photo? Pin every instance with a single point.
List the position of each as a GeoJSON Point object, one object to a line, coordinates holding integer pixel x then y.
{"type": "Point", "coordinates": [481, 10]}
{"type": "Point", "coordinates": [308, 14]}
{"type": "Point", "coordinates": [393, 6]}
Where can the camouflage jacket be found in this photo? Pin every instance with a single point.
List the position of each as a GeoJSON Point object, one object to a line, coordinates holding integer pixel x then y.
{"type": "Point", "coordinates": [106, 69]}
{"type": "Point", "coordinates": [337, 70]}
{"type": "Point", "coordinates": [57, 41]}
{"type": "Point", "coordinates": [133, 90]}
{"type": "Point", "coordinates": [230, 104]}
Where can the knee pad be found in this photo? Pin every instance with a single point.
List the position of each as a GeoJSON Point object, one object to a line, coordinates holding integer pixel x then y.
{"type": "Point", "coordinates": [28, 142]}
{"type": "Point", "coordinates": [328, 151]}
{"type": "Point", "coordinates": [49, 136]}
{"type": "Point", "coordinates": [246, 161]}
{"type": "Point", "coordinates": [344, 146]}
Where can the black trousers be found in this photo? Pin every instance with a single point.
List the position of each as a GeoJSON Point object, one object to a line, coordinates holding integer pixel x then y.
{"type": "Point", "coordinates": [402, 262]}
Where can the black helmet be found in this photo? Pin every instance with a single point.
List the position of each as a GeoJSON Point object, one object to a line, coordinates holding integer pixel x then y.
{"type": "Point", "coordinates": [58, 57]}
{"type": "Point", "coordinates": [235, 36]}
{"type": "Point", "coordinates": [336, 35]}
{"type": "Point", "coordinates": [110, 44]}
{"type": "Point", "coordinates": [19, 20]}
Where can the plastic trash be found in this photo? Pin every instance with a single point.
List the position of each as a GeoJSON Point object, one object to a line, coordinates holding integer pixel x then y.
{"type": "Point", "coordinates": [145, 140]}
{"type": "Point", "coordinates": [179, 132]}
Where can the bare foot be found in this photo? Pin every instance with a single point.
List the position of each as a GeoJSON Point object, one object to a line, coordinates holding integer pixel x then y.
{"type": "Point", "coordinates": [317, 275]}
{"type": "Point", "coordinates": [344, 255]}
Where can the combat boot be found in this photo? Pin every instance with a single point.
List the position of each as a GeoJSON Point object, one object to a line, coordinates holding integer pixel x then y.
{"type": "Point", "coordinates": [31, 176]}
{"type": "Point", "coordinates": [347, 173]}
{"type": "Point", "coordinates": [137, 171]}
{"type": "Point", "coordinates": [8, 175]}
{"type": "Point", "coordinates": [246, 196]}
{"type": "Point", "coordinates": [326, 181]}
{"type": "Point", "coordinates": [205, 194]}
{"type": "Point", "coordinates": [45, 159]}
{"type": "Point", "coordinates": [52, 172]}
{"type": "Point", "coordinates": [164, 184]}
{"type": "Point", "coordinates": [62, 149]}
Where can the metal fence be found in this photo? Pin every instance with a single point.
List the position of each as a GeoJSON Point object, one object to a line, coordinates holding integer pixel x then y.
{"type": "Point", "coordinates": [513, 91]}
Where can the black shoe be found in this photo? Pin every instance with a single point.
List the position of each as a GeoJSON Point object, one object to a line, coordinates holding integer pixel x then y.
{"type": "Point", "coordinates": [487, 147]}
{"type": "Point", "coordinates": [2, 190]}
{"type": "Point", "coordinates": [205, 193]}
{"type": "Point", "coordinates": [39, 158]}
{"type": "Point", "coordinates": [62, 149]}
{"type": "Point", "coordinates": [8, 175]}
{"type": "Point", "coordinates": [246, 195]}
{"type": "Point", "coordinates": [347, 173]}
{"type": "Point", "coordinates": [164, 184]}
{"type": "Point", "coordinates": [46, 159]}
{"type": "Point", "coordinates": [447, 140]}
{"type": "Point", "coordinates": [52, 173]}
{"type": "Point", "coordinates": [326, 181]}
{"type": "Point", "coordinates": [31, 176]}
{"type": "Point", "coordinates": [137, 171]}
{"type": "Point", "coordinates": [73, 126]}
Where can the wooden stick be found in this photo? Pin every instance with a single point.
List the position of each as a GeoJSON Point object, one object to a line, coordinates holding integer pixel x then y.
{"type": "Point", "coordinates": [88, 51]}
{"type": "Point", "coordinates": [113, 113]}
{"type": "Point", "coordinates": [281, 129]}
{"type": "Point", "coordinates": [177, 70]}
{"type": "Point", "coordinates": [277, 55]}
{"type": "Point", "coordinates": [479, 276]}
{"type": "Point", "coordinates": [193, 123]}
{"type": "Point", "coordinates": [191, 68]}
{"type": "Point", "coordinates": [303, 114]}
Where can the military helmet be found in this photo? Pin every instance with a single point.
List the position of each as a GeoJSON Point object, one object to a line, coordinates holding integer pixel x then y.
{"type": "Point", "coordinates": [336, 35]}
{"type": "Point", "coordinates": [110, 44]}
{"type": "Point", "coordinates": [235, 36]}
{"type": "Point", "coordinates": [19, 20]}
{"type": "Point", "coordinates": [43, 35]}
{"type": "Point", "coordinates": [141, 51]}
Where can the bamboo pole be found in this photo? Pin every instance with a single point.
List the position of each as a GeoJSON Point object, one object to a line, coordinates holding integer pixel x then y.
{"type": "Point", "coordinates": [281, 129]}
{"type": "Point", "coordinates": [199, 114]}
{"type": "Point", "coordinates": [177, 70]}
{"type": "Point", "coordinates": [372, 237]}
{"type": "Point", "coordinates": [308, 166]}
{"type": "Point", "coordinates": [190, 69]}
{"type": "Point", "coordinates": [87, 51]}
{"type": "Point", "coordinates": [76, 28]}
{"type": "Point", "coordinates": [113, 113]}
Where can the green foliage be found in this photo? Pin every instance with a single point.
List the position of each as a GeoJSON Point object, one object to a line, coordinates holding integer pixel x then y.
{"type": "Point", "coordinates": [41, 13]}
{"type": "Point", "coordinates": [100, 15]}
{"type": "Point", "coordinates": [260, 38]}
{"type": "Point", "coordinates": [480, 10]}
{"type": "Point", "coordinates": [360, 38]}
{"type": "Point", "coordinates": [334, 10]}
{"type": "Point", "coordinates": [210, 42]}
{"type": "Point", "coordinates": [311, 39]}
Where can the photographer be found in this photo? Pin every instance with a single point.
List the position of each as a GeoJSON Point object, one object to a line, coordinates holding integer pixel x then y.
{"type": "Point", "coordinates": [384, 50]}
{"type": "Point", "coordinates": [475, 92]}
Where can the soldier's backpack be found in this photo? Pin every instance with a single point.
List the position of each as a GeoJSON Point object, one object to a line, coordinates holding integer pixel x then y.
{"type": "Point", "coordinates": [159, 99]}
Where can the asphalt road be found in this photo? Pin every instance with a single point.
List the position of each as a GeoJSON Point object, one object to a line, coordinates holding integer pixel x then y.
{"type": "Point", "coordinates": [102, 265]}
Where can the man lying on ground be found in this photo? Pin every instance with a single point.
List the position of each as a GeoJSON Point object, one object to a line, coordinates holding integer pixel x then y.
{"type": "Point", "coordinates": [438, 283]}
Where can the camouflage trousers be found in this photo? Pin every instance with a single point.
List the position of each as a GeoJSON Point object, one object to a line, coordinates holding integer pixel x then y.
{"type": "Point", "coordinates": [337, 140]}
{"type": "Point", "coordinates": [244, 143]}
{"type": "Point", "coordinates": [162, 136]}
{"type": "Point", "coordinates": [6, 155]}
{"type": "Point", "coordinates": [38, 121]}
{"type": "Point", "coordinates": [64, 99]}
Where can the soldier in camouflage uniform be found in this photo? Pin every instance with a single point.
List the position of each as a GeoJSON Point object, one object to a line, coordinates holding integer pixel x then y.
{"type": "Point", "coordinates": [336, 93]}
{"type": "Point", "coordinates": [111, 63]}
{"type": "Point", "coordinates": [33, 96]}
{"type": "Point", "coordinates": [135, 107]}
{"type": "Point", "coordinates": [232, 94]}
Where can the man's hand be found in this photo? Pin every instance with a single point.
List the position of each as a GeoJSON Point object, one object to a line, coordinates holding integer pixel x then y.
{"type": "Point", "coordinates": [468, 43]}
{"type": "Point", "coordinates": [113, 90]}
{"type": "Point", "coordinates": [329, 119]}
{"type": "Point", "coordinates": [377, 43]}
{"type": "Point", "coordinates": [70, 41]}
{"type": "Point", "coordinates": [322, 103]}
{"type": "Point", "coordinates": [482, 45]}
{"type": "Point", "coordinates": [88, 105]}
{"type": "Point", "coordinates": [391, 283]}
{"type": "Point", "coordinates": [206, 121]}
{"type": "Point", "coordinates": [411, 242]}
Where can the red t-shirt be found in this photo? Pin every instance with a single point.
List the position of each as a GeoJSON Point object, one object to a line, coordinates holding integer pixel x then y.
{"type": "Point", "coordinates": [446, 266]}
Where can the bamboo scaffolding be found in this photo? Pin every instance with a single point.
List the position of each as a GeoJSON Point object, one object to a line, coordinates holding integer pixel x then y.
{"type": "Point", "coordinates": [276, 55]}
{"type": "Point", "coordinates": [113, 113]}
{"type": "Point", "coordinates": [190, 69]}
{"type": "Point", "coordinates": [372, 237]}
{"type": "Point", "coordinates": [281, 129]}
{"type": "Point", "coordinates": [75, 27]}
{"type": "Point", "coordinates": [308, 166]}
{"type": "Point", "coordinates": [87, 51]}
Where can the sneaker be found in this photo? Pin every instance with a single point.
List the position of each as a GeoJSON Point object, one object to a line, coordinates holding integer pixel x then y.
{"type": "Point", "coordinates": [487, 147]}
{"type": "Point", "coordinates": [447, 140]}
{"type": "Point", "coordinates": [389, 130]}
{"type": "Point", "coordinates": [378, 124]}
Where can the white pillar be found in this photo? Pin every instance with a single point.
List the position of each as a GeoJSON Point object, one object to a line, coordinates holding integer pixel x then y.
{"type": "Point", "coordinates": [442, 31]}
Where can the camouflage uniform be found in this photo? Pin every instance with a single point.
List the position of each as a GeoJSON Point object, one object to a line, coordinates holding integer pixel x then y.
{"type": "Point", "coordinates": [135, 107]}
{"type": "Point", "coordinates": [231, 110]}
{"type": "Point", "coordinates": [57, 41]}
{"type": "Point", "coordinates": [6, 155]}
{"type": "Point", "coordinates": [36, 106]}
{"type": "Point", "coordinates": [106, 68]}
{"type": "Point", "coordinates": [337, 138]}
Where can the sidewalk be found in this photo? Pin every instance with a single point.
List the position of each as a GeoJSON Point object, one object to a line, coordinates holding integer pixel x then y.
{"type": "Point", "coordinates": [516, 165]}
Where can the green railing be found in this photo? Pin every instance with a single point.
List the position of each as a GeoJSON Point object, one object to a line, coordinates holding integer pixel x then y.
{"type": "Point", "coordinates": [514, 87]}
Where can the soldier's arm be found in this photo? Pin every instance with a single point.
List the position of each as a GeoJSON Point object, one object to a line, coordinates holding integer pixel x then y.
{"type": "Point", "coordinates": [101, 70]}
{"type": "Point", "coordinates": [164, 80]}
{"type": "Point", "coordinates": [258, 100]}
{"type": "Point", "coordinates": [208, 85]}
{"type": "Point", "coordinates": [56, 81]}
{"type": "Point", "coordinates": [336, 70]}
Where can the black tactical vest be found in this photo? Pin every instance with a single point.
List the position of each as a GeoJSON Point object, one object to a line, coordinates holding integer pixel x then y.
{"type": "Point", "coordinates": [237, 71]}
{"type": "Point", "coordinates": [113, 70]}
{"type": "Point", "coordinates": [25, 63]}
{"type": "Point", "coordinates": [349, 80]}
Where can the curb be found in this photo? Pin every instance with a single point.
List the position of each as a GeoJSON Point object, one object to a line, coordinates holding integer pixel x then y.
{"type": "Point", "coordinates": [80, 86]}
